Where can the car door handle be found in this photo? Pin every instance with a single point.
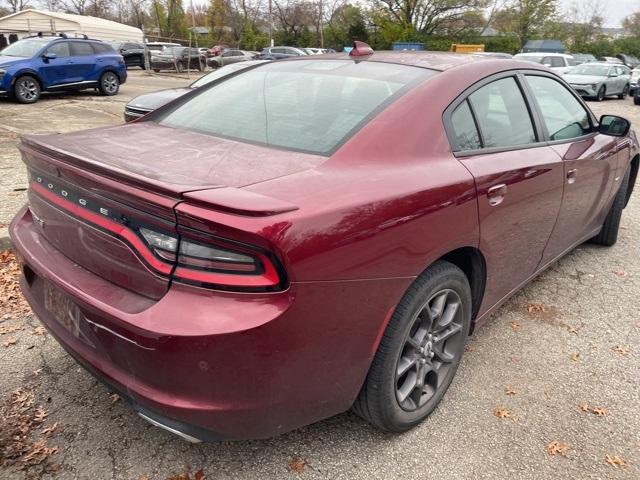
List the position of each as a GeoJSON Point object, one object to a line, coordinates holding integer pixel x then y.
{"type": "Point", "coordinates": [496, 194]}
{"type": "Point", "coordinates": [571, 175]}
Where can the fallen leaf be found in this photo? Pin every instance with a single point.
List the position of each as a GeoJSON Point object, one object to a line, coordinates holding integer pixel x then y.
{"type": "Point", "coordinates": [199, 475]}
{"type": "Point", "coordinates": [572, 329]}
{"type": "Point", "coordinates": [509, 391]}
{"type": "Point", "coordinates": [621, 272]}
{"type": "Point", "coordinates": [625, 351]}
{"type": "Point", "coordinates": [39, 330]}
{"type": "Point", "coordinates": [501, 412]}
{"type": "Point", "coordinates": [114, 398]}
{"type": "Point", "coordinates": [599, 411]}
{"type": "Point", "coordinates": [515, 326]}
{"type": "Point", "coordinates": [143, 477]}
{"type": "Point", "coordinates": [469, 349]}
{"type": "Point", "coordinates": [615, 461]}
{"type": "Point", "coordinates": [535, 307]}
{"type": "Point", "coordinates": [584, 406]}
{"type": "Point", "coordinates": [297, 465]}
{"type": "Point", "coordinates": [49, 429]}
{"type": "Point", "coordinates": [40, 415]}
{"type": "Point", "coordinates": [10, 341]}
{"type": "Point", "coordinates": [557, 448]}
{"type": "Point", "coordinates": [575, 356]}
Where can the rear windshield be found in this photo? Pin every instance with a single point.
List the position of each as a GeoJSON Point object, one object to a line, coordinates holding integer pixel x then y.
{"type": "Point", "coordinates": [308, 106]}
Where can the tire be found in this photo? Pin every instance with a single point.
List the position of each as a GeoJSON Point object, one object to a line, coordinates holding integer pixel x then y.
{"type": "Point", "coordinates": [109, 84]}
{"type": "Point", "coordinates": [625, 92]}
{"type": "Point", "coordinates": [179, 67]}
{"type": "Point", "coordinates": [636, 100]}
{"type": "Point", "coordinates": [602, 93]}
{"type": "Point", "coordinates": [26, 89]}
{"type": "Point", "coordinates": [608, 236]}
{"type": "Point", "coordinates": [157, 70]}
{"type": "Point", "coordinates": [410, 349]}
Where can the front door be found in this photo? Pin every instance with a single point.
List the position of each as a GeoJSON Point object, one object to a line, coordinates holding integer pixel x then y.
{"type": "Point", "coordinates": [56, 71]}
{"type": "Point", "coordinates": [519, 181]}
{"type": "Point", "coordinates": [589, 159]}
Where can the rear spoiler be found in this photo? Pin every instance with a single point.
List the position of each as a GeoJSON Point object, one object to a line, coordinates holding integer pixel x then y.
{"type": "Point", "coordinates": [238, 201]}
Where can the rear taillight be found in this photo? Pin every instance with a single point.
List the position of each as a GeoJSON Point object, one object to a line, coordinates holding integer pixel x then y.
{"type": "Point", "coordinates": [214, 263]}
{"type": "Point", "coordinates": [208, 261]}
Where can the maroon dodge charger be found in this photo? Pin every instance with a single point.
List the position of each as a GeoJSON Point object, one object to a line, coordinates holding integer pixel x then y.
{"type": "Point", "coordinates": [312, 235]}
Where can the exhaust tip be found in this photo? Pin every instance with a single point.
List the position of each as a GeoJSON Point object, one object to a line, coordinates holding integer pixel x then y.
{"type": "Point", "coordinates": [180, 434]}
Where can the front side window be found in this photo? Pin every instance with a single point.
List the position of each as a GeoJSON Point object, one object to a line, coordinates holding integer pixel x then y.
{"type": "Point", "coordinates": [563, 115]}
{"type": "Point", "coordinates": [464, 129]}
{"type": "Point", "coordinates": [502, 114]}
{"type": "Point", "coordinates": [307, 106]}
{"type": "Point", "coordinates": [61, 49]}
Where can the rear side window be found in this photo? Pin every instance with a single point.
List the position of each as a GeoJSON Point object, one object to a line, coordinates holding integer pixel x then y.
{"type": "Point", "coordinates": [563, 115]}
{"type": "Point", "coordinates": [464, 129]}
{"type": "Point", "coordinates": [307, 106]}
{"type": "Point", "coordinates": [80, 49]}
{"type": "Point", "coordinates": [102, 48]}
{"type": "Point", "coordinates": [502, 114]}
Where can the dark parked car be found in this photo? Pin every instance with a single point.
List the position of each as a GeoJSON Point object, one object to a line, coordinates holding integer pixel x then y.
{"type": "Point", "coordinates": [231, 56]}
{"type": "Point", "coordinates": [275, 53]}
{"type": "Point", "coordinates": [177, 58]}
{"type": "Point", "coordinates": [629, 60]}
{"type": "Point", "coordinates": [134, 54]}
{"type": "Point", "coordinates": [143, 104]}
{"type": "Point", "coordinates": [314, 235]}
{"type": "Point", "coordinates": [54, 64]}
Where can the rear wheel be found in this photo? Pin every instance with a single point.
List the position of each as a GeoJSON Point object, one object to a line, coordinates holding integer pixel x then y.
{"type": "Point", "coordinates": [109, 84]}
{"type": "Point", "coordinates": [636, 100]}
{"type": "Point", "coordinates": [625, 92]}
{"type": "Point", "coordinates": [26, 89]}
{"type": "Point", "coordinates": [608, 236]}
{"type": "Point", "coordinates": [419, 352]}
{"type": "Point", "coordinates": [601, 93]}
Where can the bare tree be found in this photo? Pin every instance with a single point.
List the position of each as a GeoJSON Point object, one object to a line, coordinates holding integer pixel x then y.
{"type": "Point", "coordinates": [18, 5]}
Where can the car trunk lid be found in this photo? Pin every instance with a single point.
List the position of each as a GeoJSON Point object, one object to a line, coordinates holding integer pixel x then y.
{"type": "Point", "coordinates": [92, 192]}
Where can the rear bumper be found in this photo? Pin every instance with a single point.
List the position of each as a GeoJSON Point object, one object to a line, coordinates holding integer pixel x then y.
{"type": "Point", "coordinates": [213, 365]}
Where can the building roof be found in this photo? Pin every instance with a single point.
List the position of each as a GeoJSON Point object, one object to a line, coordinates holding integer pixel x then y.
{"type": "Point", "coordinates": [34, 21]}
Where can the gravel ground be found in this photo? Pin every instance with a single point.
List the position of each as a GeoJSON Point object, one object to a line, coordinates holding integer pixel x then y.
{"type": "Point", "coordinates": [559, 362]}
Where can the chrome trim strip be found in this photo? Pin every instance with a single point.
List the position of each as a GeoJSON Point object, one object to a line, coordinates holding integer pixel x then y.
{"type": "Point", "coordinates": [184, 436]}
{"type": "Point", "coordinates": [73, 83]}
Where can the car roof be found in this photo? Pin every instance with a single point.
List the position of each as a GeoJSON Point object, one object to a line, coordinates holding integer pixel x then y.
{"type": "Point", "coordinates": [439, 61]}
{"type": "Point", "coordinates": [543, 54]}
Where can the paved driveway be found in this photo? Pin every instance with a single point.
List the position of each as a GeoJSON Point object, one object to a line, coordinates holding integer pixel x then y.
{"type": "Point", "coordinates": [559, 362]}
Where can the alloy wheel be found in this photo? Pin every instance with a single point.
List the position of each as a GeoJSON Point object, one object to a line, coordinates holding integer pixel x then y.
{"type": "Point", "coordinates": [27, 89]}
{"type": "Point", "coordinates": [110, 83]}
{"type": "Point", "coordinates": [429, 351]}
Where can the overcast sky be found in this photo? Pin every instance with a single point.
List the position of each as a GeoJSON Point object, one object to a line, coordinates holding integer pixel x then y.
{"type": "Point", "coordinates": [614, 10]}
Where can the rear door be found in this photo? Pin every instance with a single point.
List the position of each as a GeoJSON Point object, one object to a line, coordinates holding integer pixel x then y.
{"type": "Point", "coordinates": [590, 162]}
{"type": "Point", "coordinates": [519, 179]}
{"type": "Point", "coordinates": [84, 62]}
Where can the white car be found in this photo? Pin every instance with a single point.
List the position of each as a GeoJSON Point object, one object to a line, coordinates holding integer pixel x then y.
{"type": "Point", "coordinates": [560, 63]}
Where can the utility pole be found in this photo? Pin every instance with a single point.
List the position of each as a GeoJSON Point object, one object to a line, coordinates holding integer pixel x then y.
{"type": "Point", "coordinates": [270, 23]}
{"type": "Point", "coordinates": [321, 27]}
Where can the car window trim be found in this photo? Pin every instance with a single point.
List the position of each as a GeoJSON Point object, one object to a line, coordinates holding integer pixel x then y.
{"type": "Point", "coordinates": [464, 96]}
{"type": "Point", "coordinates": [534, 102]}
{"type": "Point", "coordinates": [541, 130]}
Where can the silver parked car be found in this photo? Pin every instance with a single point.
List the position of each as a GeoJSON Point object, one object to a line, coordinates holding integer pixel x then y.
{"type": "Point", "coordinates": [599, 80]}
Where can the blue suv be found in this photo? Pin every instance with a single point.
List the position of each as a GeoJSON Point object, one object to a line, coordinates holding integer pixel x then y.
{"type": "Point", "coordinates": [53, 64]}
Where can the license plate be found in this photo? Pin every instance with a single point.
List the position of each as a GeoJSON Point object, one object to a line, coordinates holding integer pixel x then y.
{"type": "Point", "coordinates": [63, 309]}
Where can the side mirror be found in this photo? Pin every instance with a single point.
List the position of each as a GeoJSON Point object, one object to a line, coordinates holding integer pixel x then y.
{"type": "Point", "coordinates": [614, 126]}
{"type": "Point", "coordinates": [49, 56]}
